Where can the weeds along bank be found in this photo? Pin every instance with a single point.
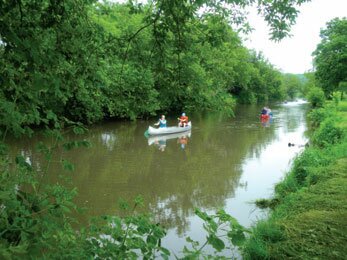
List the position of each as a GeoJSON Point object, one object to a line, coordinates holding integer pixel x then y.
{"type": "Point", "coordinates": [309, 210]}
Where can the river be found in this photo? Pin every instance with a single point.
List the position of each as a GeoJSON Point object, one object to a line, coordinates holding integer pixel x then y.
{"type": "Point", "coordinates": [223, 162]}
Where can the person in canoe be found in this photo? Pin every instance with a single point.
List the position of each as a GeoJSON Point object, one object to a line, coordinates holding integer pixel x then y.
{"type": "Point", "coordinates": [269, 112]}
{"type": "Point", "coordinates": [264, 111]}
{"type": "Point", "coordinates": [183, 120]}
{"type": "Point", "coordinates": [263, 114]}
{"type": "Point", "coordinates": [162, 122]}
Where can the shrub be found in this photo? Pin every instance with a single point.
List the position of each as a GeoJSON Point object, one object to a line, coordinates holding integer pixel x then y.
{"type": "Point", "coordinates": [316, 97]}
{"type": "Point", "coordinates": [329, 133]}
{"type": "Point", "coordinates": [34, 223]}
{"type": "Point", "coordinates": [246, 98]}
{"type": "Point", "coordinates": [317, 116]}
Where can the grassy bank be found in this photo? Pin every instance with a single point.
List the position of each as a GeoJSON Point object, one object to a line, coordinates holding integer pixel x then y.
{"type": "Point", "coordinates": [309, 209]}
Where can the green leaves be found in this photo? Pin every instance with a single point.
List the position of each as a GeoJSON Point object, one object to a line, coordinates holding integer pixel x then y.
{"type": "Point", "coordinates": [330, 56]}
{"type": "Point", "coordinates": [316, 97]}
{"type": "Point", "coordinates": [216, 242]}
{"type": "Point", "coordinates": [21, 161]}
{"type": "Point", "coordinates": [132, 236]}
{"type": "Point", "coordinates": [237, 237]}
{"type": "Point", "coordinates": [292, 84]}
{"type": "Point", "coordinates": [86, 61]}
{"type": "Point", "coordinates": [223, 232]}
{"type": "Point", "coordinates": [73, 61]}
{"type": "Point", "coordinates": [33, 222]}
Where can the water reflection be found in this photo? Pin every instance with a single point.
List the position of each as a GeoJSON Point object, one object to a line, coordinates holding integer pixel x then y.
{"type": "Point", "coordinates": [228, 163]}
{"type": "Point", "coordinates": [161, 140]}
{"type": "Point", "coordinates": [266, 120]}
{"type": "Point", "coordinates": [108, 139]}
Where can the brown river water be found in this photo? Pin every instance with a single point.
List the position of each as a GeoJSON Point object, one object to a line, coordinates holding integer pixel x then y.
{"type": "Point", "coordinates": [223, 162]}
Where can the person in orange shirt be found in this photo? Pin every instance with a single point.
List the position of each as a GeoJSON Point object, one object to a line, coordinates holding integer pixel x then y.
{"type": "Point", "coordinates": [183, 120]}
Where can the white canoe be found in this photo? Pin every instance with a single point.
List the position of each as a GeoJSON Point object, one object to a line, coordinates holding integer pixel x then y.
{"type": "Point", "coordinates": [157, 138]}
{"type": "Point", "coordinates": [169, 130]}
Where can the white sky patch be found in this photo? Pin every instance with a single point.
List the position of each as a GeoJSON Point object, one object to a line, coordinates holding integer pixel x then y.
{"type": "Point", "coordinates": [293, 55]}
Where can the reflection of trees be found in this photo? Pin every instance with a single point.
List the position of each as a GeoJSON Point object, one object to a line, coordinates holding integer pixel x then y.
{"type": "Point", "coordinates": [121, 164]}
{"type": "Point", "coordinates": [294, 117]}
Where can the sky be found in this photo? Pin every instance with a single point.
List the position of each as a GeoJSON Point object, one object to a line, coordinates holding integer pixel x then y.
{"type": "Point", "coordinates": [293, 55]}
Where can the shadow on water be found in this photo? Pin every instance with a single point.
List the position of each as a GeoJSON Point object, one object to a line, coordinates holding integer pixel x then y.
{"type": "Point", "coordinates": [210, 167]}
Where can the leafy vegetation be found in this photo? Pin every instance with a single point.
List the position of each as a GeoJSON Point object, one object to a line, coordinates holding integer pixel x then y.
{"type": "Point", "coordinates": [85, 61]}
{"type": "Point", "coordinates": [309, 209]}
{"type": "Point", "coordinates": [293, 85]}
{"type": "Point", "coordinates": [64, 63]}
{"type": "Point", "coordinates": [329, 76]}
{"type": "Point", "coordinates": [316, 97]}
{"type": "Point", "coordinates": [330, 57]}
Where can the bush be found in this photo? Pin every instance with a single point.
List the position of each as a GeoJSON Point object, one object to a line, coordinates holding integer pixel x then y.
{"type": "Point", "coordinates": [34, 223]}
{"type": "Point", "coordinates": [246, 98]}
{"type": "Point", "coordinates": [316, 97]}
{"type": "Point", "coordinates": [328, 134]}
{"type": "Point", "coordinates": [317, 116]}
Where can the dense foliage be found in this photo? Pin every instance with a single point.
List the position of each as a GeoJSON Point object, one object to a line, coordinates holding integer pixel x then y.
{"type": "Point", "coordinates": [330, 57]}
{"type": "Point", "coordinates": [293, 85]}
{"type": "Point", "coordinates": [316, 97]}
{"type": "Point", "coordinates": [86, 61]}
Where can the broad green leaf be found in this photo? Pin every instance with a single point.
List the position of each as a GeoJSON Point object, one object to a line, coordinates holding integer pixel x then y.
{"type": "Point", "coordinates": [216, 242]}
{"type": "Point", "coordinates": [237, 237]}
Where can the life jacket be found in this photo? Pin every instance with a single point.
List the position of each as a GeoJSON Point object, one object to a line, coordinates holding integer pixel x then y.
{"type": "Point", "coordinates": [184, 119]}
{"type": "Point", "coordinates": [264, 117]}
{"type": "Point", "coordinates": [162, 123]}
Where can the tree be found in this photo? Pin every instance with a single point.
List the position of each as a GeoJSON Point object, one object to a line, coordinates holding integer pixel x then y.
{"type": "Point", "coordinates": [330, 56]}
{"type": "Point", "coordinates": [309, 83]}
{"type": "Point", "coordinates": [50, 66]}
{"type": "Point", "coordinates": [260, 81]}
{"type": "Point", "coordinates": [84, 61]}
{"type": "Point", "coordinates": [292, 85]}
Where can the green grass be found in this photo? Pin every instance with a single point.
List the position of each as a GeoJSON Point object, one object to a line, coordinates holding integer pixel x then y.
{"type": "Point", "coordinates": [309, 220]}
{"type": "Point", "coordinates": [342, 106]}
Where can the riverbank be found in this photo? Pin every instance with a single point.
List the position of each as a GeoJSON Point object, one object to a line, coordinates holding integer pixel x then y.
{"type": "Point", "coordinates": [309, 211]}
